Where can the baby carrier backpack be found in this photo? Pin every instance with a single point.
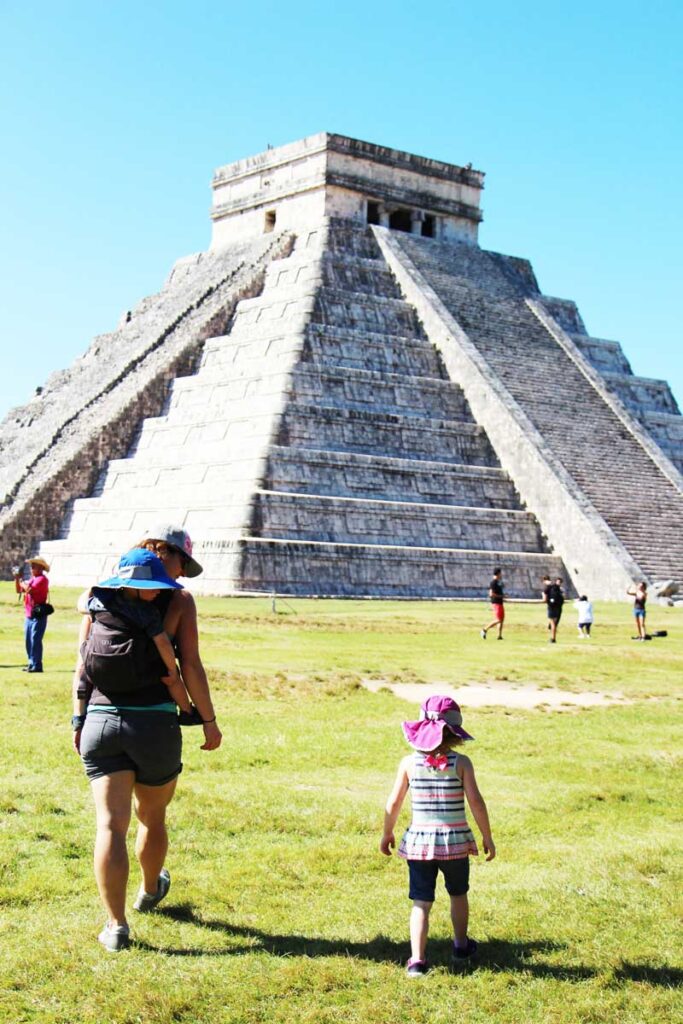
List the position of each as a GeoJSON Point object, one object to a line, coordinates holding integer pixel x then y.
{"type": "Point", "coordinates": [118, 656]}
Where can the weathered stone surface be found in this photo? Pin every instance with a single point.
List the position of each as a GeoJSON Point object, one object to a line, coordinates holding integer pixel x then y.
{"type": "Point", "coordinates": [55, 448]}
{"type": "Point", "coordinates": [350, 410]}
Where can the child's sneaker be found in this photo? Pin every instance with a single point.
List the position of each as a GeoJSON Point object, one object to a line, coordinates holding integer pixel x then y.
{"type": "Point", "coordinates": [115, 937]}
{"type": "Point", "coordinates": [463, 956]}
{"type": "Point", "coordinates": [416, 968]}
{"type": "Point", "coordinates": [148, 901]}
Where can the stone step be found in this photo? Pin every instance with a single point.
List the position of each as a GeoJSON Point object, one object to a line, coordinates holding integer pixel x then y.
{"type": "Point", "coordinates": [336, 570]}
{"type": "Point", "coordinates": [343, 236]}
{"type": "Point", "coordinates": [667, 428]}
{"type": "Point", "coordinates": [370, 351]}
{"type": "Point", "coordinates": [305, 271]}
{"type": "Point", "coordinates": [304, 470]}
{"type": "Point", "coordinates": [128, 518]}
{"type": "Point", "coordinates": [372, 434]}
{"type": "Point", "coordinates": [313, 471]}
{"type": "Point", "coordinates": [337, 307]}
{"type": "Point", "coordinates": [605, 356]}
{"type": "Point", "coordinates": [609, 466]}
{"type": "Point", "coordinates": [185, 443]}
{"type": "Point", "coordinates": [233, 355]}
{"type": "Point", "coordinates": [640, 394]}
{"type": "Point", "coordinates": [361, 521]}
{"type": "Point", "coordinates": [373, 391]}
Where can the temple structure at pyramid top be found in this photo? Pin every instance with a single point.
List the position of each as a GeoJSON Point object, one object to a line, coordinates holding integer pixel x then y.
{"type": "Point", "coordinates": [346, 395]}
{"type": "Point", "coordinates": [325, 175]}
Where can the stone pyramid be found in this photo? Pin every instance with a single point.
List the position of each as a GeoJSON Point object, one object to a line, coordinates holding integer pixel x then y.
{"type": "Point", "coordinates": [347, 396]}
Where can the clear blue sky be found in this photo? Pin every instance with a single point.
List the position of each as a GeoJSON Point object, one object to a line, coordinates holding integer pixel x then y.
{"type": "Point", "coordinates": [114, 117]}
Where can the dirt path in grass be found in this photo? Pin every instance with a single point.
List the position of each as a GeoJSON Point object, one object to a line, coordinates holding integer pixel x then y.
{"type": "Point", "coordinates": [501, 694]}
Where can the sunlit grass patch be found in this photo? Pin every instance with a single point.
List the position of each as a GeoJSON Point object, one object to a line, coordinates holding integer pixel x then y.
{"type": "Point", "coordinates": [281, 907]}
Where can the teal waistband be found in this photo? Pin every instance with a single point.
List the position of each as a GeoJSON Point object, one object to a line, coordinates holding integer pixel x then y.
{"type": "Point", "coordinates": [113, 708]}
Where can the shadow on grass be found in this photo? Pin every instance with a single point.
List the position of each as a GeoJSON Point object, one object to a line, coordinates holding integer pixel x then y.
{"type": "Point", "coordinates": [493, 955]}
{"type": "Point", "coordinates": [668, 977]}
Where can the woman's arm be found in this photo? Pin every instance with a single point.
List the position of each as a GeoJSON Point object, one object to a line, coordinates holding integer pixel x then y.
{"type": "Point", "coordinates": [477, 805]}
{"type": "Point", "coordinates": [393, 807]}
{"type": "Point", "coordinates": [181, 622]}
{"type": "Point", "coordinates": [79, 687]}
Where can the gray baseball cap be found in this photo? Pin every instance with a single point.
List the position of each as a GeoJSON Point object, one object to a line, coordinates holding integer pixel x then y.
{"type": "Point", "coordinates": [178, 538]}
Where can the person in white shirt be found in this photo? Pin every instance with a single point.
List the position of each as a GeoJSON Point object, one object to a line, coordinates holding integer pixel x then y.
{"type": "Point", "coordinates": [585, 610]}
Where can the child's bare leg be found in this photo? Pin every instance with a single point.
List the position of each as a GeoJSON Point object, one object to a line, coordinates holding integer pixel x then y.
{"type": "Point", "coordinates": [460, 915]}
{"type": "Point", "coordinates": [419, 929]}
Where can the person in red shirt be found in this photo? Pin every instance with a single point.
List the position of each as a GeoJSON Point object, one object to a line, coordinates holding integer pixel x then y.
{"type": "Point", "coordinates": [35, 591]}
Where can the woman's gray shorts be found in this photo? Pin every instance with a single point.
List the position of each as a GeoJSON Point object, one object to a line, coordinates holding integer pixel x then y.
{"type": "Point", "coordinates": [145, 742]}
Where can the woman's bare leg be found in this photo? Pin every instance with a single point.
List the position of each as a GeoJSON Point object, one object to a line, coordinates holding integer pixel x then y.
{"type": "Point", "coordinates": [112, 795]}
{"type": "Point", "coordinates": [151, 844]}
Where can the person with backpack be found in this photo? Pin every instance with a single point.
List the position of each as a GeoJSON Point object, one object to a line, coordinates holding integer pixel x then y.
{"type": "Point", "coordinates": [129, 739]}
{"type": "Point", "coordinates": [553, 595]}
{"type": "Point", "coordinates": [117, 653]}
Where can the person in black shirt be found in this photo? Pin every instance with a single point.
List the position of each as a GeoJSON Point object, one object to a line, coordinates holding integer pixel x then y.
{"type": "Point", "coordinates": [497, 599]}
{"type": "Point", "coordinates": [554, 599]}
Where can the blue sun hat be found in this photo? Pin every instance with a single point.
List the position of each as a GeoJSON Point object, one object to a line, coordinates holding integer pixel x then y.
{"type": "Point", "coordinates": [141, 570]}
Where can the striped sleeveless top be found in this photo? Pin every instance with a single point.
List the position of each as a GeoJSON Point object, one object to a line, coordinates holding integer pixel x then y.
{"type": "Point", "coordinates": [439, 829]}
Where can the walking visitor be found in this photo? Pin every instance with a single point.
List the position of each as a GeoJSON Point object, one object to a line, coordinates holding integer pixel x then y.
{"type": "Point", "coordinates": [130, 743]}
{"type": "Point", "coordinates": [497, 599]}
{"type": "Point", "coordinates": [584, 609]}
{"type": "Point", "coordinates": [439, 838]}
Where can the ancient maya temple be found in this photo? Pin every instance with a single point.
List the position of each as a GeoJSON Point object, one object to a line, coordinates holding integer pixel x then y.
{"type": "Point", "coordinates": [346, 395]}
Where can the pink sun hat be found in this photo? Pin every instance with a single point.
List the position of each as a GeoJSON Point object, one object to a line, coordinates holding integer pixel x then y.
{"type": "Point", "coordinates": [436, 714]}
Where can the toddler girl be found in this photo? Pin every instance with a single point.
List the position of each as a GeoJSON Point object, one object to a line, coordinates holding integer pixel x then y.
{"type": "Point", "coordinates": [439, 837]}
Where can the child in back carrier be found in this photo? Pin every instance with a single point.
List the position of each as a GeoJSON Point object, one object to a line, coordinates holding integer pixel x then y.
{"type": "Point", "coordinates": [439, 837]}
{"type": "Point", "coordinates": [127, 598]}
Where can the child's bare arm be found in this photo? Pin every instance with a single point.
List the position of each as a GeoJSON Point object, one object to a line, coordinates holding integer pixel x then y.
{"type": "Point", "coordinates": [393, 807]}
{"type": "Point", "coordinates": [172, 679]}
{"type": "Point", "coordinates": [165, 649]}
{"type": "Point", "coordinates": [477, 804]}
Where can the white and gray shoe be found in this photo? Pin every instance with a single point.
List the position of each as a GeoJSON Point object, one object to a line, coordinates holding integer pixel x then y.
{"type": "Point", "coordinates": [114, 937]}
{"type": "Point", "coordinates": [148, 901]}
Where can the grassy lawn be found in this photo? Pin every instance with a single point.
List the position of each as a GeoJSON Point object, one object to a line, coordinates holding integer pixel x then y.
{"type": "Point", "coordinates": [282, 908]}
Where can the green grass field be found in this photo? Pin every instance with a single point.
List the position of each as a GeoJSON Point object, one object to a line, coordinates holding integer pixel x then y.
{"type": "Point", "coordinates": [282, 908]}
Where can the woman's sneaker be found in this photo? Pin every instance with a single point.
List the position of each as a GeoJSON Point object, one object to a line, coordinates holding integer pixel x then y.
{"type": "Point", "coordinates": [114, 937]}
{"type": "Point", "coordinates": [148, 901]}
{"type": "Point", "coordinates": [416, 968]}
{"type": "Point", "coordinates": [462, 956]}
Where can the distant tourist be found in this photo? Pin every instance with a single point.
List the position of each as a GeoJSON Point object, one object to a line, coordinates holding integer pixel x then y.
{"type": "Point", "coordinates": [639, 594]}
{"type": "Point", "coordinates": [497, 599]}
{"type": "Point", "coordinates": [554, 599]}
{"type": "Point", "coordinates": [585, 613]}
{"type": "Point", "coordinates": [438, 838]}
{"type": "Point", "coordinates": [36, 609]}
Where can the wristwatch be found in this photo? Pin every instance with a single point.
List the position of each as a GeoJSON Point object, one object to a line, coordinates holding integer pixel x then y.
{"type": "Point", "coordinates": [77, 722]}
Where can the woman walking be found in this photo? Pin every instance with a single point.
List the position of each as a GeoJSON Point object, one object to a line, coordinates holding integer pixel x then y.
{"type": "Point", "coordinates": [132, 752]}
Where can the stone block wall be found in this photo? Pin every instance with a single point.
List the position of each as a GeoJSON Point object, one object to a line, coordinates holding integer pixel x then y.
{"type": "Point", "coordinates": [54, 449]}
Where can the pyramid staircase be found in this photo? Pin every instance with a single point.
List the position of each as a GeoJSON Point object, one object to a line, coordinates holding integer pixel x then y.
{"type": "Point", "coordinates": [319, 449]}
{"type": "Point", "coordinates": [590, 423]}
